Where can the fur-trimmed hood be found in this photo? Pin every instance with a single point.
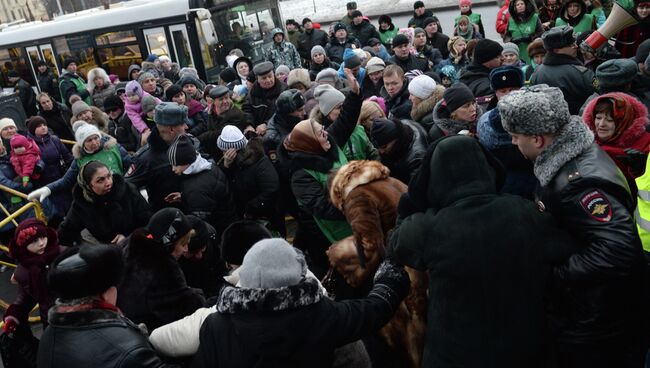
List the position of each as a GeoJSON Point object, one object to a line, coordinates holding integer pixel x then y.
{"type": "Point", "coordinates": [100, 119]}
{"type": "Point", "coordinates": [94, 73]}
{"type": "Point", "coordinates": [352, 175]}
{"type": "Point", "coordinates": [634, 131]}
{"type": "Point", "coordinates": [426, 107]}
{"type": "Point", "coordinates": [107, 142]}
{"type": "Point", "coordinates": [573, 139]}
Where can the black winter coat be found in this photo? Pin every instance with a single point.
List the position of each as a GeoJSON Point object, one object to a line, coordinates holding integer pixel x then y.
{"type": "Point", "coordinates": [119, 212]}
{"type": "Point", "coordinates": [126, 134]}
{"type": "Point", "coordinates": [49, 83]}
{"type": "Point", "coordinates": [27, 97]}
{"type": "Point", "coordinates": [405, 159]}
{"type": "Point", "coordinates": [398, 106]}
{"type": "Point", "coordinates": [58, 119]}
{"type": "Point", "coordinates": [600, 288]}
{"type": "Point", "coordinates": [250, 327]}
{"type": "Point", "coordinates": [363, 32]}
{"type": "Point", "coordinates": [335, 49]}
{"type": "Point", "coordinates": [279, 127]}
{"type": "Point", "coordinates": [569, 75]}
{"type": "Point", "coordinates": [109, 340]}
{"type": "Point", "coordinates": [439, 41]}
{"type": "Point", "coordinates": [485, 282]}
{"type": "Point", "coordinates": [314, 68]}
{"type": "Point", "coordinates": [413, 62]}
{"type": "Point", "coordinates": [151, 170]}
{"type": "Point", "coordinates": [477, 78]}
{"type": "Point", "coordinates": [153, 290]}
{"type": "Point", "coordinates": [307, 40]}
{"type": "Point", "coordinates": [370, 89]}
{"type": "Point", "coordinates": [260, 103]}
{"type": "Point", "coordinates": [418, 21]}
{"type": "Point", "coordinates": [207, 195]}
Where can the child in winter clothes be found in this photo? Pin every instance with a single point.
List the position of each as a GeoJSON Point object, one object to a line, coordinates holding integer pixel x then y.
{"type": "Point", "coordinates": [133, 107]}
{"type": "Point", "coordinates": [25, 155]}
{"type": "Point", "coordinates": [198, 118]}
{"type": "Point", "coordinates": [34, 246]}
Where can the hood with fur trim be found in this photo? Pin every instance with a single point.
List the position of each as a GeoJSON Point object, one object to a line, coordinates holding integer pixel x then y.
{"type": "Point", "coordinates": [93, 74]}
{"type": "Point", "coordinates": [352, 175]}
{"type": "Point", "coordinates": [426, 107]}
{"type": "Point", "coordinates": [107, 142]}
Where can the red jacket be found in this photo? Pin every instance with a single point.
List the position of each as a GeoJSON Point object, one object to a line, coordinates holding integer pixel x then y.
{"type": "Point", "coordinates": [502, 18]}
{"type": "Point", "coordinates": [25, 163]}
{"type": "Point", "coordinates": [634, 136]}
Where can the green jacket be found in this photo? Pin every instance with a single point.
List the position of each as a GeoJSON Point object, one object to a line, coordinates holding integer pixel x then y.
{"type": "Point", "coordinates": [358, 147]}
{"type": "Point", "coordinates": [587, 23]}
{"type": "Point", "coordinates": [526, 30]}
{"type": "Point", "coordinates": [110, 157]}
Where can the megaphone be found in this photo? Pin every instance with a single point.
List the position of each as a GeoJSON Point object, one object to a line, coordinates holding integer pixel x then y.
{"type": "Point", "coordinates": [620, 18]}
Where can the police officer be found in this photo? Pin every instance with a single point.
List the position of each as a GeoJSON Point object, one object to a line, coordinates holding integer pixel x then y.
{"type": "Point", "coordinates": [598, 302]}
{"type": "Point", "coordinates": [561, 68]}
{"type": "Point", "coordinates": [151, 168]}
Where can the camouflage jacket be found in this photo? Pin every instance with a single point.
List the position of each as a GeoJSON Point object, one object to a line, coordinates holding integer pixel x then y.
{"type": "Point", "coordinates": [284, 53]}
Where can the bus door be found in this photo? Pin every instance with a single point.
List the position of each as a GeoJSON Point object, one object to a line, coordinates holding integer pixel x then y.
{"type": "Point", "coordinates": [42, 52]}
{"type": "Point", "coordinates": [172, 41]}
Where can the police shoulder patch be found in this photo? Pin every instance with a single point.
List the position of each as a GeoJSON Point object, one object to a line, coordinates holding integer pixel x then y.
{"type": "Point", "coordinates": [597, 206]}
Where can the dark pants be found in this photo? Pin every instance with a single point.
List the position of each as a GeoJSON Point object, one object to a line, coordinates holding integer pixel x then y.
{"type": "Point", "coordinates": [631, 355]}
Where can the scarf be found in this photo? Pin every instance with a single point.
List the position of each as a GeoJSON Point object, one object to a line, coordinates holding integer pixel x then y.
{"type": "Point", "coordinates": [199, 165]}
{"type": "Point", "coordinates": [303, 138]}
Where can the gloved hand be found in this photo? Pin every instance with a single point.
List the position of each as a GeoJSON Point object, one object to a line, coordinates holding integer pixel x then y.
{"type": "Point", "coordinates": [39, 194]}
{"type": "Point", "coordinates": [10, 324]}
{"type": "Point", "coordinates": [391, 282]}
{"type": "Point", "coordinates": [635, 159]}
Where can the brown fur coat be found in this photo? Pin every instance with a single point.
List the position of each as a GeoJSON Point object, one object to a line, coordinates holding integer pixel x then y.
{"type": "Point", "coordinates": [368, 197]}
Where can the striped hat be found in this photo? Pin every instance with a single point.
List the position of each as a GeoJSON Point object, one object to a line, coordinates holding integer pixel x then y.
{"type": "Point", "coordinates": [182, 151]}
{"type": "Point", "coordinates": [231, 137]}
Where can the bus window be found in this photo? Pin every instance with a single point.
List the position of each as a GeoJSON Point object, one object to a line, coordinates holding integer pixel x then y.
{"type": "Point", "coordinates": [245, 27]}
{"type": "Point", "coordinates": [117, 51]}
{"type": "Point", "coordinates": [157, 41]}
{"type": "Point", "coordinates": [14, 58]}
{"type": "Point", "coordinates": [181, 44]}
{"type": "Point", "coordinates": [79, 47]}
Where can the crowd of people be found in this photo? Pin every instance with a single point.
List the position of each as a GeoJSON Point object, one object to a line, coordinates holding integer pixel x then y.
{"type": "Point", "coordinates": [453, 200]}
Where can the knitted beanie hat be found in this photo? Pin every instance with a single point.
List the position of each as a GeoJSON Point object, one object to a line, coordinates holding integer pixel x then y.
{"type": "Point", "coordinates": [133, 88]}
{"type": "Point", "coordinates": [511, 48]}
{"type": "Point", "coordinates": [239, 237]}
{"type": "Point", "coordinates": [422, 86]}
{"type": "Point", "coordinates": [6, 122]}
{"type": "Point", "coordinates": [383, 131]}
{"type": "Point", "coordinates": [231, 137]}
{"type": "Point", "coordinates": [144, 76]}
{"type": "Point", "coordinates": [34, 122]}
{"type": "Point", "coordinates": [181, 151]}
{"type": "Point", "coordinates": [85, 131]}
{"type": "Point", "coordinates": [148, 104]}
{"type": "Point", "coordinates": [328, 98]}
{"type": "Point", "coordinates": [79, 107]}
{"type": "Point", "coordinates": [28, 231]}
{"type": "Point", "coordinates": [534, 110]}
{"type": "Point", "coordinates": [417, 31]}
{"type": "Point", "coordinates": [456, 96]}
{"type": "Point", "coordinates": [271, 263]}
{"type": "Point", "coordinates": [318, 49]}
{"type": "Point", "coordinates": [19, 140]}
{"type": "Point", "coordinates": [486, 50]}
{"type": "Point", "coordinates": [282, 69]}
{"type": "Point", "coordinates": [327, 75]}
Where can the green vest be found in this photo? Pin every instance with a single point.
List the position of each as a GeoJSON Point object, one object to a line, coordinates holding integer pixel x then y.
{"type": "Point", "coordinates": [520, 30]}
{"type": "Point", "coordinates": [334, 230]}
{"type": "Point", "coordinates": [110, 157]}
{"type": "Point", "coordinates": [387, 37]}
{"type": "Point", "coordinates": [356, 148]}
{"type": "Point", "coordinates": [585, 24]}
{"type": "Point", "coordinates": [81, 86]}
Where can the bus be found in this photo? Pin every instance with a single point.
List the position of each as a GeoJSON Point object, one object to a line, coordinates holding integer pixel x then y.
{"type": "Point", "coordinates": [192, 33]}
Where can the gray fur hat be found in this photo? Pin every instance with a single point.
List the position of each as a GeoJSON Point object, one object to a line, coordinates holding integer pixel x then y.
{"type": "Point", "coordinates": [534, 110]}
{"type": "Point", "coordinates": [272, 263]}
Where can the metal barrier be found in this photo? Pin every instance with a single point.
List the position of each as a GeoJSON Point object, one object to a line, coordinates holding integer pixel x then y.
{"type": "Point", "coordinates": [11, 217]}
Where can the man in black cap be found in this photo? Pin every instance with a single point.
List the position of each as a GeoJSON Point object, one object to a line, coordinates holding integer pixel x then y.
{"type": "Point", "coordinates": [487, 56]}
{"type": "Point", "coordinates": [222, 112]}
{"type": "Point", "coordinates": [434, 56]}
{"type": "Point", "coordinates": [260, 101]}
{"type": "Point", "coordinates": [351, 7]}
{"type": "Point", "coordinates": [362, 29]}
{"type": "Point", "coordinates": [25, 92]}
{"type": "Point", "coordinates": [339, 43]}
{"type": "Point", "coordinates": [151, 169]}
{"type": "Point", "coordinates": [85, 279]}
{"type": "Point", "coordinates": [435, 37]}
{"type": "Point", "coordinates": [420, 13]}
{"type": "Point", "coordinates": [293, 31]}
{"type": "Point", "coordinates": [401, 145]}
{"type": "Point", "coordinates": [72, 84]}
{"type": "Point", "coordinates": [289, 111]}
{"type": "Point", "coordinates": [403, 57]}
{"type": "Point", "coordinates": [47, 80]}
{"type": "Point", "coordinates": [561, 68]}
{"type": "Point", "coordinates": [310, 38]}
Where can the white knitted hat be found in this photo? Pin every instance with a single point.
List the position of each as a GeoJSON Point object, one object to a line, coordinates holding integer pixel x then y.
{"type": "Point", "coordinates": [422, 86]}
{"type": "Point", "coordinates": [231, 137]}
{"type": "Point", "coordinates": [5, 122]}
{"type": "Point", "coordinates": [85, 131]}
